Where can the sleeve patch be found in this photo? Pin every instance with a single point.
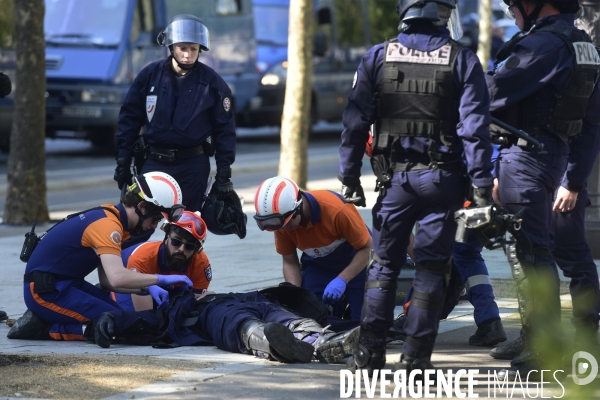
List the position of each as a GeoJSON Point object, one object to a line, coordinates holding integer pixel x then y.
{"type": "Point", "coordinates": [116, 237]}
{"type": "Point", "coordinates": [208, 272]}
{"type": "Point", "coordinates": [226, 104]}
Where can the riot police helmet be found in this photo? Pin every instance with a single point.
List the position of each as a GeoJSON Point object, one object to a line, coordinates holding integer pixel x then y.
{"type": "Point", "coordinates": [185, 28]}
{"type": "Point", "coordinates": [223, 214]}
{"type": "Point", "coordinates": [437, 12]}
{"type": "Point", "coordinates": [277, 201]}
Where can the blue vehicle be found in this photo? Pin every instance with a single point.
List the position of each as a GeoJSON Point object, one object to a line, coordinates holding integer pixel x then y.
{"type": "Point", "coordinates": [338, 48]}
{"type": "Point", "coordinates": [95, 48]}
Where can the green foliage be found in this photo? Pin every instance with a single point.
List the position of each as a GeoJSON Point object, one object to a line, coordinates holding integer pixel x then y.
{"type": "Point", "coordinates": [383, 19]}
{"type": "Point", "coordinates": [7, 23]}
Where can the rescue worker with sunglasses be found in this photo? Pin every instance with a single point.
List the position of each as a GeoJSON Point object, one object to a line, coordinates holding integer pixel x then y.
{"type": "Point", "coordinates": [181, 252]}
{"type": "Point", "coordinates": [58, 298]}
{"type": "Point", "coordinates": [333, 238]}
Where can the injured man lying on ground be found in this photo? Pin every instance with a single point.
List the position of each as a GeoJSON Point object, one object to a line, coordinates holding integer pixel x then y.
{"type": "Point", "coordinates": [283, 323]}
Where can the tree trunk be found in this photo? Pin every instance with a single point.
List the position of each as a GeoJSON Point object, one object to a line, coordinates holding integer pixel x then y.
{"type": "Point", "coordinates": [590, 22]}
{"type": "Point", "coordinates": [295, 124]}
{"type": "Point", "coordinates": [484, 48]}
{"type": "Point", "coordinates": [27, 159]}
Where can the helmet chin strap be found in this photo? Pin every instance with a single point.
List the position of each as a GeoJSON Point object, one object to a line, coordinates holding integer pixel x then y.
{"type": "Point", "coordinates": [185, 67]}
{"type": "Point", "coordinates": [529, 19]}
{"type": "Point", "coordinates": [138, 229]}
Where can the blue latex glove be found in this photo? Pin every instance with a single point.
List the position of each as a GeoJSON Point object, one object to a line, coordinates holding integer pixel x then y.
{"type": "Point", "coordinates": [160, 295]}
{"type": "Point", "coordinates": [169, 280]}
{"type": "Point", "coordinates": [335, 290]}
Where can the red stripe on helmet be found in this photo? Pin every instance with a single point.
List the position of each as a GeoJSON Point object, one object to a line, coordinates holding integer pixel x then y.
{"type": "Point", "coordinates": [276, 196]}
{"type": "Point", "coordinates": [168, 182]}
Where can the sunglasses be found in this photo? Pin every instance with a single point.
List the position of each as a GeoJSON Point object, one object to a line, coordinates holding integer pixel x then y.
{"type": "Point", "coordinates": [274, 222]}
{"type": "Point", "coordinates": [177, 244]}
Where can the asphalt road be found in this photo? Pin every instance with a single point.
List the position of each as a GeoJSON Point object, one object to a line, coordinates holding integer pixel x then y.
{"type": "Point", "coordinates": [79, 175]}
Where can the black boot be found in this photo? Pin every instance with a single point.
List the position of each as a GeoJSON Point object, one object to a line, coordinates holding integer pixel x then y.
{"type": "Point", "coordinates": [3, 316]}
{"type": "Point", "coordinates": [409, 364]}
{"type": "Point", "coordinates": [488, 333]}
{"type": "Point", "coordinates": [104, 330]}
{"type": "Point", "coordinates": [276, 340]}
{"type": "Point", "coordinates": [30, 327]}
{"type": "Point", "coordinates": [333, 347]}
{"type": "Point", "coordinates": [510, 350]}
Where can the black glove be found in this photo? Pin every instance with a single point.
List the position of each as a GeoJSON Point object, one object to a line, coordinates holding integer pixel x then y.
{"type": "Point", "coordinates": [123, 173]}
{"type": "Point", "coordinates": [5, 85]}
{"type": "Point", "coordinates": [104, 330]}
{"type": "Point", "coordinates": [354, 194]}
{"type": "Point", "coordinates": [482, 197]}
{"type": "Point", "coordinates": [222, 183]}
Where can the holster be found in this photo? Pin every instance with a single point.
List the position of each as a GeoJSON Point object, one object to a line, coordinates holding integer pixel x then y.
{"type": "Point", "coordinates": [209, 146]}
{"type": "Point", "coordinates": [140, 153]}
{"type": "Point", "coordinates": [383, 171]}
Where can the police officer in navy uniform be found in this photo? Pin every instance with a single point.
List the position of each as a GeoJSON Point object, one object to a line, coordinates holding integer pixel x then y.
{"type": "Point", "coordinates": [184, 108]}
{"type": "Point", "coordinates": [544, 83]}
{"type": "Point", "coordinates": [427, 96]}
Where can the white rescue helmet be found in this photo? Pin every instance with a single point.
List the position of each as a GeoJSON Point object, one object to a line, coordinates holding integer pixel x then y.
{"type": "Point", "coordinates": [277, 201]}
{"type": "Point", "coordinates": [158, 188]}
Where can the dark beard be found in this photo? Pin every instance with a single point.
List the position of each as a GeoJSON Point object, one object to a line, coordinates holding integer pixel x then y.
{"type": "Point", "coordinates": [175, 263]}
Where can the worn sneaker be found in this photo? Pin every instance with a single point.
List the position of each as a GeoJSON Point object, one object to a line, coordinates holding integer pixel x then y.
{"type": "Point", "coordinates": [488, 333]}
{"type": "Point", "coordinates": [31, 327]}
{"type": "Point", "coordinates": [510, 350]}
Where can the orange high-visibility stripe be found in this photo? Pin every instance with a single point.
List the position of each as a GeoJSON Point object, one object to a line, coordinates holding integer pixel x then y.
{"type": "Point", "coordinates": [66, 337]}
{"type": "Point", "coordinates": [55, 308]}
{"type": "Point", "coordinates": [276, 196]}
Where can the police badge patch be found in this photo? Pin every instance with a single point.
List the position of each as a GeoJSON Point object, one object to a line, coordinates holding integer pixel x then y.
{"type": "Point", "coordinates": [208, 273]}
{"type": "Point", "coordinates": [226, 104]}
{"type": "Point", "coordinates": [150, 106]}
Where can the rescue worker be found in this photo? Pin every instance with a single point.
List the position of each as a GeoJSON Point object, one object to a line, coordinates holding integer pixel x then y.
{"type": "Point", "coordinates": [247, 323]}
{"type": "Point", "coordinates": [333, 238]}
{"type": "Point", "coordinates": [544, 83]}
{"type": "Point", "coordinates": [5, 89]}
{"type": "Point", "coordinates": [184, 110]}
{"type": "Point", "coordinates": [181, 252]}
{"type": "Point", "coordinates": [427, 97]}
{"type": "Point", "coordinates": [58, 298]}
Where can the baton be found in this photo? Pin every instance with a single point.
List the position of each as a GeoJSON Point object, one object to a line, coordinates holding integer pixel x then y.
{"type": "Point", "coordinates": [518, 133]}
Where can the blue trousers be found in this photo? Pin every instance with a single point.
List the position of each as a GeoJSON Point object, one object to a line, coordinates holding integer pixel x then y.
{"type": "Point", "coordinates": [574, 257]}
{"type": "Point", "coordinates": [191, 174]}
{"type": "Point", "coordinates": [474, 274]}
{"type": "Point", "coordinates": [73, 303]}
{"type": "Point", "coordinates": [429, 197]}
{"type": "Point", "coordinates": [316, 280]}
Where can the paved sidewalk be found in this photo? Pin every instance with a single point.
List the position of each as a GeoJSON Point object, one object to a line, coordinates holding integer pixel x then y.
{"type": "Point", "coordinates": [250, 264]}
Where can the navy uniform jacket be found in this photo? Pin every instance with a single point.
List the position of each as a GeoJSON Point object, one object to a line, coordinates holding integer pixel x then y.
{"type": "Point", "coordinates": [183, 118]}
{"type": "Point", "coordinates": [474, 118]}
{"type": "Point", "coordinates": [542, 61]}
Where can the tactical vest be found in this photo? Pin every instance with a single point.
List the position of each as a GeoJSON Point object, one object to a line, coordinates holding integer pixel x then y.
{"type": "Point", "coordinates": [568, 106]}
{"type": "Point", "coordinates": [418, 98]}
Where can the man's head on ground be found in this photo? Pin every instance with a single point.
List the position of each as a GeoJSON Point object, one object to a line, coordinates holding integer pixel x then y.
{"type": "Point", "coordinates": [278, 204]}
{"type": "Point", "coordinates": [183, 239]}
{"type": "Point", "coordinates": [151, 197]}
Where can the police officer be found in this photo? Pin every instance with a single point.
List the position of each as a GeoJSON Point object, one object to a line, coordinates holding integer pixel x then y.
{"type": "Point", "coordinates": [181, 252]}
{"type": "Point", "coordinates": [544, 83]}
{"type": "Point", "coordinates": [426, 95]}
{"type": "Point", "coordinates": [184, 109]}
{"type": "Point", "coordinates": [58, 298]}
